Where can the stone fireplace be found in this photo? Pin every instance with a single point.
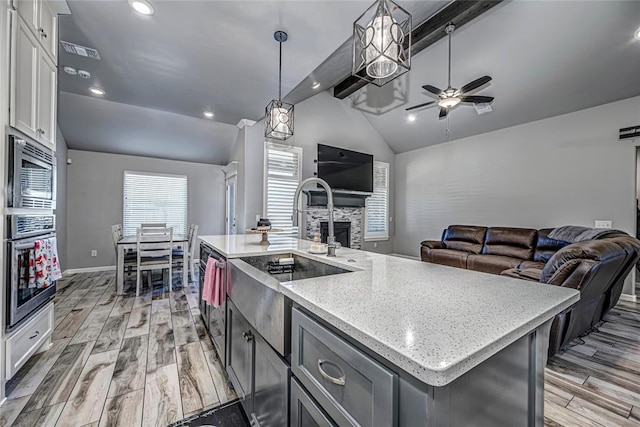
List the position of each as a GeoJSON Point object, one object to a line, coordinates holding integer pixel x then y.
{"type": "Point", "coordinates": [347, 217]}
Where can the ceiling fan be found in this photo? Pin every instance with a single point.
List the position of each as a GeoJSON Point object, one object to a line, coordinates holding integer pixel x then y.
{"type": "Point", "coordinates": [450, 97]}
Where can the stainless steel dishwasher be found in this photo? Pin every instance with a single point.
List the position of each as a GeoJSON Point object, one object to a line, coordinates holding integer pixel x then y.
{"type": "Point", "coordinates": [214, 318]}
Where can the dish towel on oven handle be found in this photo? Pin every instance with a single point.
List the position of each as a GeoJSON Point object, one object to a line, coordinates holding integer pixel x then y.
{"type": "Point", "coordinates": [46, 266]}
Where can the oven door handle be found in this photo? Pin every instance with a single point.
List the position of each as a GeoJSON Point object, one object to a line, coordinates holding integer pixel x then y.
{"type": "Point", "coordinates": [21, 246]}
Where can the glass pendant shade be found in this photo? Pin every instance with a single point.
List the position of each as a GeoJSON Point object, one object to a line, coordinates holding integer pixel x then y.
{"type": "Point", "coordinates": [382, 43]}
{"type": "Point", "coordinates": [278, 120]}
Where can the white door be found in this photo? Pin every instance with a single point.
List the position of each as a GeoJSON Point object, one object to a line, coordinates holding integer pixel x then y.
{"type": "Point", "coordinates": [46, 100]}
{"type": "Point", "coordinates": [24, 74]}
{"type": "Point", "coordinates": [230, 217]}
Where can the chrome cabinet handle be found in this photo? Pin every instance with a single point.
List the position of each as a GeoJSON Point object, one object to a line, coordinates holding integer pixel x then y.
{"type": "Point", "coordinates": [248, 336]}
{"type": "Point", "coordinates": [337, 381]}
{"type": "Point", "coordinates": [34, 335]}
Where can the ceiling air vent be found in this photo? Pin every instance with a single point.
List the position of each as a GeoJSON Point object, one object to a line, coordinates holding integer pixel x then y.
{"type": "Point", "coordinates": [483, 108]}
{"type": "Point", "coordinates": [76, 49]}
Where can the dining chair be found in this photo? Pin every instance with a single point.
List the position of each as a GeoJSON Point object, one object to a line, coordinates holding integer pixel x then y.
{"type": "Point", "coordinates": [153, 225]}
{"type": "Point", "coordinates": [129, 256]}
{"type": "Point", "coordinates": [155, 246]}
{"type": "Point", "coordinates": [193, 236]}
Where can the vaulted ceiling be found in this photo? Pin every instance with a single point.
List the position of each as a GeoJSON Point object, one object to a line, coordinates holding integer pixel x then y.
{"type": "Point", "coordinates": [161, 72]}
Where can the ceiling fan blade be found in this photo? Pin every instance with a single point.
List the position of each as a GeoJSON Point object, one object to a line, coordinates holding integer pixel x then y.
{"type": "Point", "coordinates": [475, 84]}
{"type": "Point", "coordinates": [477, 99]}
{"type": "Point", "coordinates": [443, 113]}
{"type": "Point", "coordinates": [434, 90]}
{"type": "Point", "coordinates": [420, 106]}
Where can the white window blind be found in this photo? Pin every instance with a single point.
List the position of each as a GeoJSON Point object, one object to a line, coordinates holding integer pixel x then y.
{"type": "Point", "coordinates": [377, 212]}
{"type": "Point", "coordinates": [282, 171]}
{"type": "Point", "coordinates": [153, 198]}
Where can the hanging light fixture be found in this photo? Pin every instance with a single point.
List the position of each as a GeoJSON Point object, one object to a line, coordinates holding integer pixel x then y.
{"type": "Point", "coordinates": [278, 118]}
{"type": "Point", "coordinates": [382, 43]}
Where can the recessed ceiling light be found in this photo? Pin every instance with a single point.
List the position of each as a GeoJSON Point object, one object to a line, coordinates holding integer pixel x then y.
{"type": "Point", "coordinates": [637, 34]}
{"type": "Point", "coordinates": [208, 114]}
{"type": "Point", "coordinates": [142, 6]}
{"type": "Point", "coordinates": [411, 118]}
{"type": "Point", "coordinates": [96, 91]}
{"type": "Point", "coordinates": [315, 85]}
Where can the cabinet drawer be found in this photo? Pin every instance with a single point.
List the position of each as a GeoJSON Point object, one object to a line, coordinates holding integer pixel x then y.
{"type": "Point", "coordinates": [350, 386]}
{"type": "Point", "coordinates": [304, 411]}
{"type": "Point", "coordinates": [24, 342]}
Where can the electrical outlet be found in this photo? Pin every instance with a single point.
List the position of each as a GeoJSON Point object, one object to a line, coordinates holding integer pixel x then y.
{"type": "Point", "coordinates": [94, 253]}
{"type": "Point", "coordinates": [375, 245]}
{"type": "Point", "coordinates": [599, 223]}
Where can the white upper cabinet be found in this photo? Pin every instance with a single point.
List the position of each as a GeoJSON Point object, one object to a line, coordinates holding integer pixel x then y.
{"type": "Point", "coordinates": [24, 78]}
{"type": "Point", "coordinates": [42, 20]}
{"type": "Point", "coordinates": [47, 82]}
{"type": "Point", "coordinates": [33, 86]}
{"type": "Point", "coordinates": [48, 29]}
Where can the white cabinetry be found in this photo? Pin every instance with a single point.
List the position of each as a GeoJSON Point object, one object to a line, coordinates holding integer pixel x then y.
{"type": "Point", "coordinates": [42, 20]}
{"type": "Point", "coordinates": [24, 342]}
{"type": "Point", "coordinates": [33, 83]}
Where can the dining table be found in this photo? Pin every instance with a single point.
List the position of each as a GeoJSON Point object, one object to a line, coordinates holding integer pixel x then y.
{"type": "Point", "coordinates": [129, 244]}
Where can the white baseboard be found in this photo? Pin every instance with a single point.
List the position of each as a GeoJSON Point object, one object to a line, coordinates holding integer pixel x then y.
{"type": "Point", "coordinates": [406, 256]}
{"type": "Point", "coordinates": [89, 269]}
{"type": "Point", "coordinates": [628, 297]}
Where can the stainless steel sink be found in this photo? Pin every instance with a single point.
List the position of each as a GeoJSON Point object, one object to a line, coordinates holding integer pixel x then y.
{"type": "Point", "coordinates": [255, 293]}
{"type": "Point", "coordinates": [303, 267]}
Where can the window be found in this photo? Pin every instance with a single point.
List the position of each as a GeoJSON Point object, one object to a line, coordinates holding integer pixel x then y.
{"type": "Point", "coordinates": [282, 171]}
{"type": "Point", "coordinates": [377, 205]}
{"type": "Point", "coordinates": [150, 197]}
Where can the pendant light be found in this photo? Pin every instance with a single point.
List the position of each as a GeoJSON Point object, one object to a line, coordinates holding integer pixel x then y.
{"type": "Point", "coordinates": [382, 43]}
{"type": "Point", "coordinates": [278, 118]}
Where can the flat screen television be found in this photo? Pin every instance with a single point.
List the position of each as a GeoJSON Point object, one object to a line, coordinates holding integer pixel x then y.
{"type": "Point", "coordinates": [345, 169]}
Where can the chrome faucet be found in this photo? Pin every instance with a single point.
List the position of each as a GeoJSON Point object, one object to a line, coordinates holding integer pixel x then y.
{"type": "Point", "coordinates": [331, 240]}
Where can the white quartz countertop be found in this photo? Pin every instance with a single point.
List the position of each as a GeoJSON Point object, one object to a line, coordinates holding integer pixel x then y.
{"type": "Point", "coordinates": [433, 321]}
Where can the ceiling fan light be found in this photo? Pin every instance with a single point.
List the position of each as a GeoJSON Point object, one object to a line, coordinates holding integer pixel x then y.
{"type": "Point", "coordinates": [382, 43]}
{"type": "Point", "coordinates": [449, 102]}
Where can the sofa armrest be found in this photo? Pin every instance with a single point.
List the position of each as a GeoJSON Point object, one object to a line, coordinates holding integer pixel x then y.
{"type": "Point", "coordinates": [433, 244]}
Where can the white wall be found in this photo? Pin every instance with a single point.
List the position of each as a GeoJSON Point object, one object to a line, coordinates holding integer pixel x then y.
{"type": "Point", "coordinates": [95, 192]}
{"type": "Point", "coordinates": [570, 169]}
{"type": "Point", "coordinates": [321, 119]}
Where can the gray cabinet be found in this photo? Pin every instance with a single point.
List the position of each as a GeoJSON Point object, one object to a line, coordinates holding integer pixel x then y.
{"type": "Point", "coordinates": [259, 376]}
{"type": "Point", "coordinates": [350, 386]}
{"type": "Point", "coordinates": [305, 412]}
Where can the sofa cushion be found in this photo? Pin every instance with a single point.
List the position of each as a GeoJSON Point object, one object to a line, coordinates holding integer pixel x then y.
{"type": "Point", "coordinates": [532, 274]}
{"type": "Point", "coordinates": [546, 247]}
{"type": "Point", "coordinates": [510, 242]}
{"type": "Point", "coordinates": [445, 257]}
{"type": "Point", "coordinates": [495, 264]}
{"type": "Point", "coordinates": [531, 264]}
{"type": "Point", "coordinates": [467, 238]}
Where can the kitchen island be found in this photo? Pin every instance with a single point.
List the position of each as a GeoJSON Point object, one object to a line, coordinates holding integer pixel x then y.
{"type": "Point", "coordinates": [456, 347]}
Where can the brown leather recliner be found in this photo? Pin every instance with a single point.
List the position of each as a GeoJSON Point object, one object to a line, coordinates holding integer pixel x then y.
{"type": "Point", "coordinates": [597, 268]}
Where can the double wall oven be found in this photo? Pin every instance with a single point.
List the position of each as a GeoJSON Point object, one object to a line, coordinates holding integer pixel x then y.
{"type": "Point", "coordinates": [31, 199]}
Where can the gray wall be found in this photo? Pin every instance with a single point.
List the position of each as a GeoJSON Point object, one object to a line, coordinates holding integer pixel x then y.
{"type": "Point", "coordinates": [570, 169]}
{"type": "Point", "coordinates": [95, 200]}
{"type": "Point", "coordinates": [326, 120]}
{"type": "Point", "coordinates": [61, 199]}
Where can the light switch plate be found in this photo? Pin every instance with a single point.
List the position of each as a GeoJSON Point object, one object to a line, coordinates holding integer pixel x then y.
{"type": "Point", "coordinates": [599, 223]}
{"type": "Point", "coordinates": [94, 253]}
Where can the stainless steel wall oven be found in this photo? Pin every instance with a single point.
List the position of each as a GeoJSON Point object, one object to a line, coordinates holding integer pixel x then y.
{"type": "Point", "coordinates": [23, 298]}
{"type": "Point", "coordinates": [31, 178]}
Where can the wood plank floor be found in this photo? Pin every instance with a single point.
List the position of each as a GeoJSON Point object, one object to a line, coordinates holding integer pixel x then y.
{"type": "Point", "coordinates": [147, 361]}
{"type": "Point", "coordinates": [118, 361]}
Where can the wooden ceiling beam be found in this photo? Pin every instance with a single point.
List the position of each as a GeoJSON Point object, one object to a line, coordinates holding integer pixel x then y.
{"type": "Point", "coordinates": [458, 12]}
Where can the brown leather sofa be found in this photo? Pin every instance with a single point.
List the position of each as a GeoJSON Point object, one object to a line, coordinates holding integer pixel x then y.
{"type": "Point", "coordinates": [597, 268]}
